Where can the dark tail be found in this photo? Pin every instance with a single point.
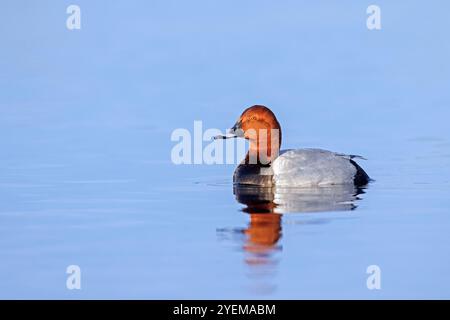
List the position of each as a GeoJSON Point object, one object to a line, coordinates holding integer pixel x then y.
{"type": "Point", "coordinates": [361, 177]}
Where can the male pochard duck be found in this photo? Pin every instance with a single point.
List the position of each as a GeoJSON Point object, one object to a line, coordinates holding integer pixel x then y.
{"type": "Point", "coordinates": [264, 164]}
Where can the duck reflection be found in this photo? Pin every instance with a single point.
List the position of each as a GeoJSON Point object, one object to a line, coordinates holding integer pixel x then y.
{"type": "Point", "coordinates": [292, 200]}
{"type": "Point", "coordinates": [266, 207]}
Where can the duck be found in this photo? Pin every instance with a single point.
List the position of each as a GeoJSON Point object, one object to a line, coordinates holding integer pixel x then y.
{"type": "Point", "coordinates": [265, 165]}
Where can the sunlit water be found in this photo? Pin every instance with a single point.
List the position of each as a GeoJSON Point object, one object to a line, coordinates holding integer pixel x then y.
{"type": "Point", "coordinates": [85, 171]}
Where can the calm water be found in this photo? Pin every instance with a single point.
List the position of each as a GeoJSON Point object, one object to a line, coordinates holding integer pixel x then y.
{"type": "Point", "coordinates": [86, 176]}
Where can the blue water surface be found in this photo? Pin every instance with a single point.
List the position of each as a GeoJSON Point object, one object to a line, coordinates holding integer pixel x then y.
{"type": "Point", "coordinates": [86, 176]}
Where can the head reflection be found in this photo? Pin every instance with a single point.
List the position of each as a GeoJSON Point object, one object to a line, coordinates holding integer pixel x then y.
{"type": "Point", "coordinates": [264, 228]}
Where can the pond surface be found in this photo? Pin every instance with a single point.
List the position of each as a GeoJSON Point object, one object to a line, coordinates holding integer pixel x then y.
{"type": "Point", "coordinates": [86, 176]}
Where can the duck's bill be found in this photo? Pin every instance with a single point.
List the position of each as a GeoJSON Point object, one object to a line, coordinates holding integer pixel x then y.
{"type": "Point", "coordinates": [227, 136]}
{"type": "Point", "coordinates": [235, 132]}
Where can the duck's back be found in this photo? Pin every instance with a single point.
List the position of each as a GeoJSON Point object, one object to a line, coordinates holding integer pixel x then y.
{"type": "Point", "coordinates": [316, 167]}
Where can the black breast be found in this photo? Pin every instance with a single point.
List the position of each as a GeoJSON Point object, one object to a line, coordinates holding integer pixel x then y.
{"type": "Point", "coordinates": [253, 174]}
